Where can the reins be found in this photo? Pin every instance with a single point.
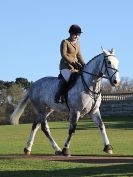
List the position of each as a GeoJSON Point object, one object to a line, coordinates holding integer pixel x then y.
{"type": "Point", "coordinates": [85, 84]}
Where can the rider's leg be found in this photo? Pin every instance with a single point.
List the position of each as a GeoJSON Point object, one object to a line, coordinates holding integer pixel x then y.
{"type": "Point", "coordinates": [62, 86]}
{"type": "Point", "coordinates": [66, 73]}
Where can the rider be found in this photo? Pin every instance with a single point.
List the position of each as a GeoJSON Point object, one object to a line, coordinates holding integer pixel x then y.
{"type": "Point", "coordinates": [71, 61]}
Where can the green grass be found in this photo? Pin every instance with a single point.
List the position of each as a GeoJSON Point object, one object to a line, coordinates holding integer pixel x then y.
{"type": "Point", "coordinates": [86, 141]}
{"type": "Point", "coordinates": [41, 168]}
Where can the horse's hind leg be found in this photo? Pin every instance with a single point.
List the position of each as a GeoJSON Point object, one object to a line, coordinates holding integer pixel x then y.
{"type": "Point", "coordinates": [28, 147]}
{"type": "Point", "coordinates": [98, 120]}
{"type": "Point", "coordinates": [46, 130]}
{"type": "Point", "coordinates": [35, 127]}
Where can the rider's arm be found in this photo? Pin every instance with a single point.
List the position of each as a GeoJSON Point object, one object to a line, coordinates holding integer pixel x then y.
{"type": "Point", "coordinates": [80, 58]}
{"type": "Point", "coordinates": [63, 51]}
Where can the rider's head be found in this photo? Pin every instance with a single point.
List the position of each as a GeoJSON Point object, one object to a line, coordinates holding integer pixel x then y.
{"type": "Point", "coordinates": [75, 29]}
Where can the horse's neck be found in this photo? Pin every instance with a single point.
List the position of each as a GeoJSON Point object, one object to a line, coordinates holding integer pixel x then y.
{"type": "Point", "coordinates": [94, 67]}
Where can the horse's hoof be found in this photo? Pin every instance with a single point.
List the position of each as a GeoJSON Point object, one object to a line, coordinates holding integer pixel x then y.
{"type": "Point", "coordinates": [58, 153]}
{"type": "Point", "coordinates": [108, 149]}
{"type": "Point", "coordinates": [27, 152]}
{"type": "Point", "coordinates": [66, 152]}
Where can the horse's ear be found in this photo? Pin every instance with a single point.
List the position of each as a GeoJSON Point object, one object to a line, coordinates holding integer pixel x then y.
{"type": "Point", "coordinates": [102, 48]}
{"type": "Point", "coordinates": [105, 51]}
{"type": "Point", "coordinates": [112, 51]}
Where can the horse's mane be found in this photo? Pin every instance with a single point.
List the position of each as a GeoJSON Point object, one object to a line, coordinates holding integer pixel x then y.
{"type": "Point", "coordinates": [93, 58]}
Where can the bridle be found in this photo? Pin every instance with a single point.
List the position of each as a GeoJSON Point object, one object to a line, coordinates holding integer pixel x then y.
{"type": "Point", "coordinates": [108, 67]}
{"type": "Point", "coordinates": [100, 75]}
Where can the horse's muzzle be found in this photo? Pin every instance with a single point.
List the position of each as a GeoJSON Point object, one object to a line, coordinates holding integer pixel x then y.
{"type": "Point", "coordinates": [116, 83]}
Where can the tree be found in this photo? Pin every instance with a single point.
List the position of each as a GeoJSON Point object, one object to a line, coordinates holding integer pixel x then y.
{"type": "Point", "coordinates": [23, 82]}
{"type": "Point", "coordinates": [126, 86]}
{"type": "Point", "coordinates": [5, 84]}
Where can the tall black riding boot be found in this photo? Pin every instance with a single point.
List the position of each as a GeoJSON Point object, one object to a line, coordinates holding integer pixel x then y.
{"type": "Point", "coordinates": [61, 90]}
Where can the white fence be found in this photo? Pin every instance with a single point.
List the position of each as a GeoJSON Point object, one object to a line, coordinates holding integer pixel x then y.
{"type": "Point", "coordinates": [117, 104]}
{"type": "Point", "coordinates": [118, 97]}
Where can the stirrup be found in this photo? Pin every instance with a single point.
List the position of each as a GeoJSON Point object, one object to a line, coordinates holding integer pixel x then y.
{"type": "Point", "coordinates": [59, 100]}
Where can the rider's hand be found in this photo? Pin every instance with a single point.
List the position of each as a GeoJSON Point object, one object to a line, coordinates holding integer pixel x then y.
{"type": "Point", "coordinates": [77, 66]}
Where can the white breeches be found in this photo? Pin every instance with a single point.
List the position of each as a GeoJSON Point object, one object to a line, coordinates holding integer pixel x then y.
{"type": "Point", "coordinates": [66, 73]}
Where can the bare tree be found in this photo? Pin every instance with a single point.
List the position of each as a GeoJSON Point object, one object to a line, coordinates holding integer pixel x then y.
{"type": "Point", "coordinates": [126, 86]}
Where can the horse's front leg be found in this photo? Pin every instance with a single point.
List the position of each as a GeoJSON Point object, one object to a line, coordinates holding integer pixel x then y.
{"type": "Point", "coordinates": [74, 116]}
{"type": "Point", "coordinates": [28, 147]}
{"type": "Point", "coordinates": [46, 130]}
{"type": "Point", "coordinates": [98, 120]}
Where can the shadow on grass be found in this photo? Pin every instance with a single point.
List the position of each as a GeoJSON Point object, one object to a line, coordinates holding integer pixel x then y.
{"type": "Point", "coordinates": [110, 123]}
{"type": "Point", "coordinates": [119, 122]}
{"type": "Point", "coordinates": [110, 171]}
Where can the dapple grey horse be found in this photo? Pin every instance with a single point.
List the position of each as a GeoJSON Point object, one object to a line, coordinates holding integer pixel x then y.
{"type": "Point", "coordinates": [83, 98]}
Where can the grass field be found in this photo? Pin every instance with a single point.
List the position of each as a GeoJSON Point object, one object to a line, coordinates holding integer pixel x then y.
{"type": "Point", "coordinates": [86, 141]}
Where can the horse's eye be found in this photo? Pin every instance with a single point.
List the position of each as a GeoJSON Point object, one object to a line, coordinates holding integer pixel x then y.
{"type": "Point", "coordinates": [109, 62]}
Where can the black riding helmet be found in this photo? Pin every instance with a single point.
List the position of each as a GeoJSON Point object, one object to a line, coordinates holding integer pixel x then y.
{"type": "Point", "coordinates": [74, 29]}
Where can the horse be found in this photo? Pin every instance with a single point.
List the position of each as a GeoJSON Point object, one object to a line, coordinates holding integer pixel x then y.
{"type": "Point", "coordinates": [83, 98]}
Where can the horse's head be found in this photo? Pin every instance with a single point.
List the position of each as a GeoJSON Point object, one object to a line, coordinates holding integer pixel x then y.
{"type": "Point", "coordinates": [110, 67]}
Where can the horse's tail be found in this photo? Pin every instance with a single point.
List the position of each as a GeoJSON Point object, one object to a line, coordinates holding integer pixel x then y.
{"type": "Point", "coordinates": [14, 118]}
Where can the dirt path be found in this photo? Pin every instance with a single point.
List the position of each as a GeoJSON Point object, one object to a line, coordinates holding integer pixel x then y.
{"type": "Point", "coordinates": [78, 159]}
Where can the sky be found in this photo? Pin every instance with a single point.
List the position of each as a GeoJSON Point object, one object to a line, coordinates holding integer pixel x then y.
{"type": "Point", "coordinates": [31, 32]}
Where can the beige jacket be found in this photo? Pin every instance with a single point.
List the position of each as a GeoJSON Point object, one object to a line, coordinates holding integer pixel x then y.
{"type": "Point", "coordinates": [70, 53]}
